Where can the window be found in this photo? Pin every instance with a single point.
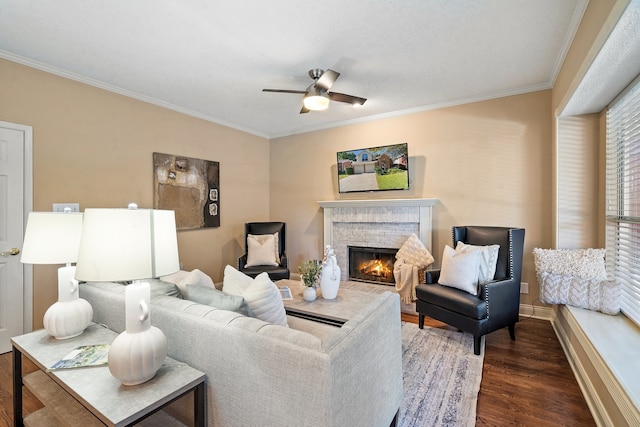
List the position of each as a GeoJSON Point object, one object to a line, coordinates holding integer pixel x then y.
{"type": "Point", "coordinates": [623, 197]}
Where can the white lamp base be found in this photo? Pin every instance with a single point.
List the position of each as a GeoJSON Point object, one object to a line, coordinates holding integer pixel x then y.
{"type": "Point", "coordinates": [136, 354]}
{"type": "Point", "coordinates": [68, 319]}
{"type": "Point", "coordinates": [70, 316]}
{"type": "Point", "coordinates": [135, 358]}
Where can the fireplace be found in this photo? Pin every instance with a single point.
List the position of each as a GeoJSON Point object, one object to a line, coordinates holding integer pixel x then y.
{"type": "Point", "coordinates": [374, 223]}
{"type": "Point", "coordinates": [373, 265]}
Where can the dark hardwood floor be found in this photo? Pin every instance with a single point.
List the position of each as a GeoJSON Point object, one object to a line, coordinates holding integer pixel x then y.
{"type": "Point", "coordinates": [524, 383]}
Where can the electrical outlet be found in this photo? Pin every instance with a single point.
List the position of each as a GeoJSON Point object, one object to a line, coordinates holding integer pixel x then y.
{"type": "Point", "coordinates": [59, 207]}
{"type": "Point", "coordinates": [524, 288]}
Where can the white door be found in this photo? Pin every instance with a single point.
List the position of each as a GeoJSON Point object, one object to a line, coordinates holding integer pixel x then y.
{"type": "Point", "coordinates": [15, 148]}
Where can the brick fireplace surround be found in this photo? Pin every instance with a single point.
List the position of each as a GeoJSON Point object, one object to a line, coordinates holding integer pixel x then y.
{"type": "Point", "coordinates": [383, 223]}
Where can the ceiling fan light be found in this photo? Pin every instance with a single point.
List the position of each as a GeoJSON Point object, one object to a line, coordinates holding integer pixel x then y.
{"type": "Point", "coordinates": [316, 102]}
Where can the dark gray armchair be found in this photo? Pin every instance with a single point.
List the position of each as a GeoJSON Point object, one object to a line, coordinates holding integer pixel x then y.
{"type": "Point", "coordinates": [278, 272]}
{"type": "Point", "coordinates": [498, 302]}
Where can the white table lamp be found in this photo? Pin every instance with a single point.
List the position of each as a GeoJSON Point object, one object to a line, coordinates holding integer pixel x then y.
{"type": "Point", "coordinates": [54, 238]}
{"type": "Point", "coordinates": [131, 245]}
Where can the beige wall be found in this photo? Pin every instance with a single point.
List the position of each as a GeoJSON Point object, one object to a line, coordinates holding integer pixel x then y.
{"type": "Point", "coordinates": [95, 147]}
{"type": "Point", "coordinates": [487, 163]}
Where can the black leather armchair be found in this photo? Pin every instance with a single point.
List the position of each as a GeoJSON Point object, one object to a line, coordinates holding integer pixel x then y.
{"type": "Point", "coordinates": [498, 302]}
{"type": "Point", "coordinates": [275, 272]}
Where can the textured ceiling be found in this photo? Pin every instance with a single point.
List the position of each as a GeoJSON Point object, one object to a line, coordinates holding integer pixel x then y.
{"type": "Point", "coordinates": [212, 58]}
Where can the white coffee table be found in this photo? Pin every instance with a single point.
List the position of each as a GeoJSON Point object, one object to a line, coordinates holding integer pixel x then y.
{"type": "Point", "coordinates": [333, 312]}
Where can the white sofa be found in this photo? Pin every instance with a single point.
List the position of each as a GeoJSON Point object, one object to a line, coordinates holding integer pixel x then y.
{"type": "Point", "coordinates": [258, 374]}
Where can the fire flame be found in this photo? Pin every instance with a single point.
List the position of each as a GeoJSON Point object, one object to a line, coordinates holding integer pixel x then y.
{"type": "Point", "coordinates": [375, 268]}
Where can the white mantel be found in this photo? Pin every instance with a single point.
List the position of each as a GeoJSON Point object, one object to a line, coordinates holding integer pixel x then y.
{"type": "Point", "coordinates": [375, 223]}
{"type": "Point", "coordinates": [377, 203]}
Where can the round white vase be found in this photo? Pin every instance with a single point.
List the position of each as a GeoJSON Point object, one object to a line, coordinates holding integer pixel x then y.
{"type": "Point", "coordinates": [330, 278]}
{"type": "Point", "coordinates": [70, 316]}
{"type": "Point", "coordinates": [136, 354]}
{"type": "Point", "coordinates": [309, 293]}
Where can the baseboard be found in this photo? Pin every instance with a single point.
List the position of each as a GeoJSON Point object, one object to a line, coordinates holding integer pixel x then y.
{"type": "Point", "coordinates": [535, 312]}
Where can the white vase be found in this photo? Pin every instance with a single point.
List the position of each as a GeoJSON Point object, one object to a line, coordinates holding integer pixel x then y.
{"type": "Point", "coordinates": [309, 293]}
{"type": "Point", "coordinates": [68, 317]}
{"type": "Point", "coordinates": [330, 278]}
{"type": "Point", "coordinates": [136, 354]}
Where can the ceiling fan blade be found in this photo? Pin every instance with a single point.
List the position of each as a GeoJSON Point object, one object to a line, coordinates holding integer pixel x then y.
{"type": "Point", "coordinates": [284, 91]}
{"type": "Point", "coordinates": [350, 99]}
{"type": "Point", "coordinates": [304, 110]}
{"type": "Point", "coordinates": [327, 79]}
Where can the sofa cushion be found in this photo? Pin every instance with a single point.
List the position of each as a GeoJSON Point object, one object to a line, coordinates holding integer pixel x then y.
{"type": "Point", "coordinates": [460, 270]}
{"type": "Point", "coordinates": [215, 298]}
{"type": "Point", "coordinates": [454, 300]}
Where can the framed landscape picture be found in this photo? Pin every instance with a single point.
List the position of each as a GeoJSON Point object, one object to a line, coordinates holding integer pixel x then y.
{"type": "Point", "coordinates": [188, 186]}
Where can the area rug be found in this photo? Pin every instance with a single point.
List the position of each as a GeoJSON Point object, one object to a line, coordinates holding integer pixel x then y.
{"type": "Point", "coordinates": [441, 377]}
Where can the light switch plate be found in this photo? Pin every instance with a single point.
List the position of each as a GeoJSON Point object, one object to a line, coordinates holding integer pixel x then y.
{"type": "Point", "coordinates": [59, 207]}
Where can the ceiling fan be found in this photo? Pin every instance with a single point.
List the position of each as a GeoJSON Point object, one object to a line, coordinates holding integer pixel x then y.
{"type": "Point", "coordinates": [317, 95]}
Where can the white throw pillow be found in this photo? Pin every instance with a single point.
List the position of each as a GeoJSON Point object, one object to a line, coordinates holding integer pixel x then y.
{"type": "Point", "coordinates": [261, 295]}
{"type": "Point", "coordinates": [235, 282]}
{"type": "Point", "coordinates": [415, 253]}
{"type": "Point", "coordinates": [460, 270]}
{"type": "Point", "coordinates": [176, 277]}
{"type": "Point", "coordinates": [583, 263]}
{"type": "Point", "coordinates": [592, 294]}
{"type": "Point", "coordinates": [261, 250]}
{"type": "Point", "coordinates": [264, 301]}
{"type": "Point", "coordinates": [488, 260]}
{"type": "Point", "coordinates": [194, 277]}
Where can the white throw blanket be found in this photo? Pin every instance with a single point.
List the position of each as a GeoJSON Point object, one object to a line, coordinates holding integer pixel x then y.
{"type": "Point", "coordinates": [406, 276]}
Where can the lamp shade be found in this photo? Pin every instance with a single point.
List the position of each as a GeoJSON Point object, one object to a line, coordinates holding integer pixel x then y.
{"type": "Point", "coordinates": [127, 244]}
{"type": "Point", "coordinates": [52, 238]}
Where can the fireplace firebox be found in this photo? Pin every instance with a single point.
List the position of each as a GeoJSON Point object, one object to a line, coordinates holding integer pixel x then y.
{"type": "Point", "coordinates": [373, 265]}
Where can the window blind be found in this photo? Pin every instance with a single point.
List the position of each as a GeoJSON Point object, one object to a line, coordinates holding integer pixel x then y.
{"type": "Point", "coordinates": [623, 197]}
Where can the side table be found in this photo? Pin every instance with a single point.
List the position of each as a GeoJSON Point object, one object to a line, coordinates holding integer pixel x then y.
{"type": "Point", "coordinates": [96, 389]}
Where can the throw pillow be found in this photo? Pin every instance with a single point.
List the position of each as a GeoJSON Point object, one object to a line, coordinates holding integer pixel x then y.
{"type": "Point", "coordinates": [195, 277]}
{"type": "Point", "coordinates": [261, 250]}
{"type": "Point", "coordinates": [214, 298]}
{"type": "Point", "coordinates": [175, 277]}
{"type": "Point", "coordinates": [160, 287]}
{"type": "Point", "coordinates": [582, 263]}
{"type": "Point", "coordinates": [488, 260]}
{"type": "Point", "coordinates": [592, 294]}
{"type": "Point", "coordinates": [460, 270]}
{"type": "Point", "coordinates": [415, 253]}
{"type": "Point", "coordinates": [261, 295]}
{"type": "Point", "coordinates": [235, 282]}
{"type": "Point", "coordinates": [264, 301]}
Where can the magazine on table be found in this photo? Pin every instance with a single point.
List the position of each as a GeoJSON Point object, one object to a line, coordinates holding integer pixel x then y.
{"type": "Point", "coordinates": [84, 356]}
{"type": "Point", "coordinates": [285, 293]}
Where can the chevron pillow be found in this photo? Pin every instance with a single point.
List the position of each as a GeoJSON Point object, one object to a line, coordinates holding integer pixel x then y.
{"type": "Point", "coordinates": [592, 294]}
